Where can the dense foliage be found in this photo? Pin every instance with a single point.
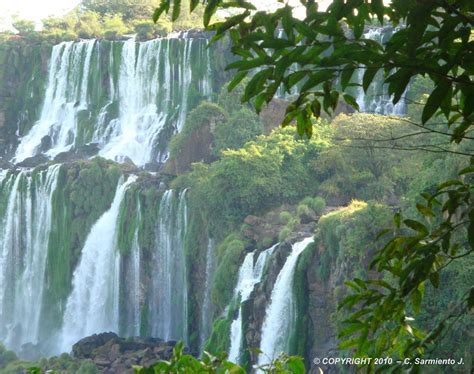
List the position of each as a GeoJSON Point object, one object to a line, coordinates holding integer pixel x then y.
{"type": "Point", "coordinates": [434, 41]}
{"type": "Point", "coordinates": [111, 20]}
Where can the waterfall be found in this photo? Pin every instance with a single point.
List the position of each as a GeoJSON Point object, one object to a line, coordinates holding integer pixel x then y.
{"type": "Point", "coordinates": [146, 93]}
{"type": "Point", "coordinates": [207, 309]}
{"type": "Point", "coordinates": [376, 99]}
{"type": "Point", "coordinates": [130, 284]}
{"type": "Point", "coordinates": [168, 307]}
{"type": "Point", "coordinates": [24, 236]}
{"type": "Point", "coordinates": [93, 304]}
{"type": "Point", "coordinates": [66, 95]}
{"type": "Point", "coordinates": [279, 315]}
{"type": "Point", "coordinates": [135, 287]}
{"type": "Point", "coordinates": [249, 276]}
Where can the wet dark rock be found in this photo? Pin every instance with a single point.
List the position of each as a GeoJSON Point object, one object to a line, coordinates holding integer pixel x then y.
{"type": "Point", "coordinates": [84, 347]}
{"type": "Point", "coordinates": [34, 161]}
{"type": "Point", "coordinates": [5, 164]}
{"type": "Point", "coordinates": [68, 156]}
{"type": "Point", "coordinates": [113, 354]}
{"type": "Point", "coordinates": [46, 143]}
{"type": "Point", "coordinates": [88, 150]}
{"type": "Point", "coordinates": [152, 167]}
{"type": "Point", "coordinates": [83, 152]}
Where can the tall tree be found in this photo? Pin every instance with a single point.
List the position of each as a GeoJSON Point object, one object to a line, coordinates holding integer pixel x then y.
{"type": "Point", "coordinates": [431, 38]}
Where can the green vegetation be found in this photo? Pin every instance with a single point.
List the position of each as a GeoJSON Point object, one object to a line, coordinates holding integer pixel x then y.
{"type": "Point", "coordinates": [205, 114]}
{"type": "Point", "coordinates": [180, 363]}
{"type": "Point", "coordinates": [85, 190]}
{"type": "Point", "coordinates": [266, 172]}
{"type": "Point", "coordinates": [6, 357]}
{"type": "Point", "coordinates": [242, 126]}
{"type": "Point", "coordinates": [229, 257]}
{"type": "Point", "coordinates": [435, 42]}
{"type": "Point", "coordinates": [111, 20]}
{"type": "Point", "coordinates": [57, 365]}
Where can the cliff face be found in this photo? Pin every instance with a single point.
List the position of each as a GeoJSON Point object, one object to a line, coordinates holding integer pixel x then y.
{"type": "Point", "coordinates": [23, 73]}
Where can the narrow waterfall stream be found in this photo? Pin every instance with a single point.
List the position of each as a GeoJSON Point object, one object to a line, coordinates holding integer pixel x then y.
{"type": "Point", "coordinates": [280, 316]}
{"type": "Point", "coordinates": [250, 275]}
{"type": "Point", "coordinates": [93, 304]}
{"type": "Point", "coordinates": [207, 307]}
{"type": "Point", "coordinates": [25, 225]}
{"type": "Point", "coordinates": [131, 289]}
{"type": "Point", "coordinates": [168, 306]}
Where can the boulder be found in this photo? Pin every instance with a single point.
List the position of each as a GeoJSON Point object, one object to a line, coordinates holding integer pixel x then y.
{"type": "Point", "coordinates": [113, 354]}
{"type": "Point", "coordinates": [5, 164]}
{"type": "Point", "coordinates": [88, 150]}
{"type": "Point", "coordinates": [86, 346]}
{"type": "Point", "coordinates": [68, 156]}
{"type": "Point", "coordinates": [46, 143]}
{"type": "Point", "coordinates": [34, 161]}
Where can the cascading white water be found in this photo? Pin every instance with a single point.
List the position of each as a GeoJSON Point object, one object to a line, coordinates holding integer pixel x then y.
{"type": "Point", "coordinates": [207, 309]}
{"type": "Point", "coordinates": [24, 238]}
{"type": "Point", "coordinates": [133, 285]}
{"type": "Point", "coordinates": [279, 316]}
{"type": "Point", "coordinates": [93, 304]}
{"type": "Point", "coordinates": [148, 95]}
{"type": "Point", "coordinates": [249, 276]}
{"type": "Point", "coordinates": [377, 100]}
{"type": "Point", "coordinates": [168, 307]}
{"type": "Point", "coordinates": [66, 95]}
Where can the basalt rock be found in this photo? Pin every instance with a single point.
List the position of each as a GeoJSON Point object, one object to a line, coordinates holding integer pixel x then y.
{"type": "Point", "coordinates": [34, 161]}
{"type": "Point", "coordinates": [115, 355]}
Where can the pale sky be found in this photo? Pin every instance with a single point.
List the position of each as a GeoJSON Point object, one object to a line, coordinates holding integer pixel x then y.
{"type": "Point", "coordinates": [34, 10]}
{"type": "Point", "coordinates": [37, 10]}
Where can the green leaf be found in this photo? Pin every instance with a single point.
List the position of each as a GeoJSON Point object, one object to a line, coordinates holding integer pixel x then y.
{"type": "Point", "coordinates": [435, 100]}
{"type": "Point", "coordinates": [416, 298]}
{"type": "Point", "coordinates": [351, 101]}
{"type": "Point", "coordinates": [346, 76]}
{"type": "Point", "coordinates": [351, 343]}
{"type": "Point", "coordinates": [468, 170]}
{"type": "Point", "coordinates": [236, 80]}
{"type": "Point", "coordinates": [397, 217]}
{"type": "Point", "coordinates": [424, 210]}
{"type": "Point", "coordinates": [176, 10]}
{"type": "Point", "coordinates": [434, 279]}
{"type": "Point", "coordinates": [209, 11]}
{"type": "Point", "coordinates": [295, 77]}
{"type": "Point", "coordinates": [259, 101]}
{"type": "Point", "coordinates": [417, 226]}
{"type": "Point", "coordinates": [164, 7]}
{"type": "Point", "coordinates": [368, 77]}
{"type": "Point", "coordinates": [193, 4]}
{"type": "Point", "coordinates": [317, 78]}
{"type": "Point", "coordinates": [378, 9]}
{"type": "Point", "coordinates": [296, 365]}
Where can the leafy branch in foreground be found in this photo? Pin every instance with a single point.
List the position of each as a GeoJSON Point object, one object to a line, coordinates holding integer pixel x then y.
{"type": "Point", "coordinates": [381, 310]}
{"type": "Point", "coordinates": [430, 38]}
{"type": "Point", "coordinates": [181, 363]}
{"type": "Point", "coordinates": [329, 47]}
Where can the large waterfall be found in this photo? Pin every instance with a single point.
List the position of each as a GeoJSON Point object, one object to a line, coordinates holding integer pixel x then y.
{"type": "Point", "coordinates": [93, 305]}
{"type": "Point", "coordinates": [280, 314]}
{"type": "Point", "coordinates": [249, 275]}
{"type": "Point", "coordinates": [128, 100]}
{"type": "Point", "coordinates": [169, 302]}
{"type": "Point", "coordinates": [26, 223]}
